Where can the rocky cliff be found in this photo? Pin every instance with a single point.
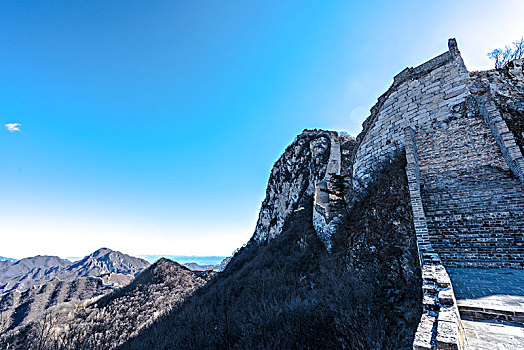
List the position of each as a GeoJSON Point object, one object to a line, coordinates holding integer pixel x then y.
{"type": "Point", "coordinates": [304, 172]}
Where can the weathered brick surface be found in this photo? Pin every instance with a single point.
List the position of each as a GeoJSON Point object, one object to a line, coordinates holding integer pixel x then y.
{"type": "Point", "coordinates": [463, 134]}
{"type": "Point", "coordinates": [418, 97]}
{"type": "Point", "coordinates": [440, 326]}
{"type": "Point", "coordinates": [474, 205]}
{"type": "Point", "coordinates": [470, 167]}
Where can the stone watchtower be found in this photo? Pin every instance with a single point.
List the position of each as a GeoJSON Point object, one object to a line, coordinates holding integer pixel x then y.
{"type": "Point", "coordinates": [465, 172]}
{"type": "Point", "coordinates": [466, 161]}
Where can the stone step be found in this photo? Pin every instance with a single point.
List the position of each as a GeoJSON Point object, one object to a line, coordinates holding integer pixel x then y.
{"type": "Point", "coordinates": [498, 313]}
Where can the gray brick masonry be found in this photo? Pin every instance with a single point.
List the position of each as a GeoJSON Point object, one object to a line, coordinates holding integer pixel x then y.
{"type": "Point", "coordinates": [470, 167]}
{"type": "Point", "coordinates": [465, 171]}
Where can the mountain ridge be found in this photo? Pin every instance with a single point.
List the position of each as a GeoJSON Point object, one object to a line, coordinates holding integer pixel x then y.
{"type": "Point", "coordinates": [110, 319]}
{"type": "Point", "coordinates": [113, 268]}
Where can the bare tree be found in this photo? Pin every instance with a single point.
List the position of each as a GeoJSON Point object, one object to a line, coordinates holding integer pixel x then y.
{"type": "Point", "coordinates": [43, 331]}
{"type": "Point", "coordinates": [3, 322]}
{"type": "Point", "coordinates": [503, 56]}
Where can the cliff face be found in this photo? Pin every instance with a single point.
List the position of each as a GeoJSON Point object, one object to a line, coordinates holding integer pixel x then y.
{"type": "Point", "coordinates": [304, 171]}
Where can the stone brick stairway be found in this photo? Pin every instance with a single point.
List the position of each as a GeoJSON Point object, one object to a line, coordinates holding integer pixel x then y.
{"type": "Point", "coordinates": [477, 218]}
{"type": "Point", "coordinates": [474, 205]}
{"type": "Point", "coordinates": [466, 181]}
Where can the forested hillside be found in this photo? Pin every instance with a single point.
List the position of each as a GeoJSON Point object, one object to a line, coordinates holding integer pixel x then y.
{"type": "Point", "coordinates": [291, 294]}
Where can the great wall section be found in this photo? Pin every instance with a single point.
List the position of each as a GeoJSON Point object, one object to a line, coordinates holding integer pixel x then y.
{"type": "Point", "coordinates": [465, 169]}
{"type": "Point", "coordinates": [463, 136]}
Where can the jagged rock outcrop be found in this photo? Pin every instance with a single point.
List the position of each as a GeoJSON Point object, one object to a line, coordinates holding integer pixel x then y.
{"type": "Point", "coordinates": [303, 171]}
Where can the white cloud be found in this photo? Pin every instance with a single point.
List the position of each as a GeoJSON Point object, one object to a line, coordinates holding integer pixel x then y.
{"type": "Point", "coordinates": [12, 127]}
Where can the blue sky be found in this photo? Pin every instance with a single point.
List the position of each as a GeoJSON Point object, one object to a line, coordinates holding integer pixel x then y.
{"type": "Point", "coordinates": [151, 127]}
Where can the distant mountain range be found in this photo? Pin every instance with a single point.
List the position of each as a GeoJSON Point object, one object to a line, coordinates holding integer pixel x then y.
{"type": "Point", "coordinates": [113, 268]}
{"type": "Point", "coordinates": [104, 298]}
{"type": "Point", "coordinates": [34, 286]}
{"type": "Point", "coordinates": [184, 259]}
{"type": "Point", "coordinates": [94, 316]}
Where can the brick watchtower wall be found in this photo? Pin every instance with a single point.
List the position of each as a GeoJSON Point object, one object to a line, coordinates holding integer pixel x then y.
{"type": "Point", "coordinates": [469, 163]}
{"type": "Point", "coordinates": [465, 169]}
{"type": "Point", "coordinates": [418, 97]}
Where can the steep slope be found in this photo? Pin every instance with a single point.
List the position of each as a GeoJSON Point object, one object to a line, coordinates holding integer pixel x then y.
{"type": "Point", "coordinates": [18, 308]}
{"type": "Point", "coordinates": [113, 267]}
{"type": "Point", "coordinates": [111, 320]}
{"type": "Point", "coordinates": [288, 292]}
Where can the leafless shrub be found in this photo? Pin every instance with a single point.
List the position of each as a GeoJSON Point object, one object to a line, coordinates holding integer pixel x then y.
{"type": "Point", "coordinates": [503, 56]}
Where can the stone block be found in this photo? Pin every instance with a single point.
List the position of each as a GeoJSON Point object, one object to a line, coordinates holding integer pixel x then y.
{"type": "Point", "coordinates": [448, 337]}
{"type": "Point", "coordinates": [448, 314]}
{"type": "Point", "coordinates": [445, 297]}
{"type": "Point", "coordinates": [424, 333]}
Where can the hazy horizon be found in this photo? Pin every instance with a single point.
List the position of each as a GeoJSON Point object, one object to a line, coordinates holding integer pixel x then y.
{"type": "Point", "coordinates": [182, 259]}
